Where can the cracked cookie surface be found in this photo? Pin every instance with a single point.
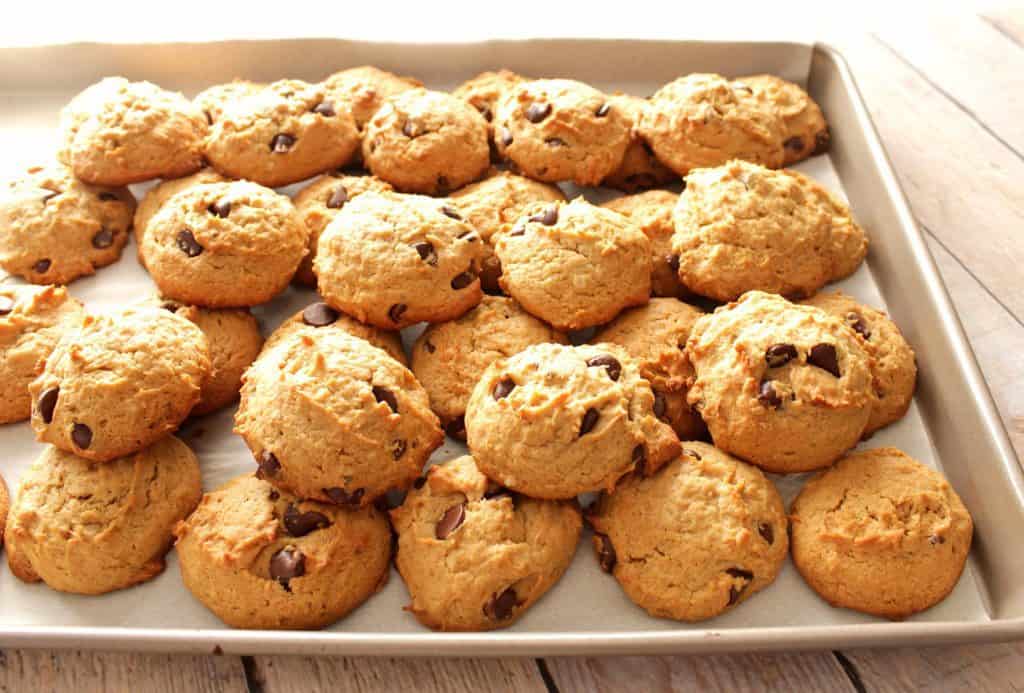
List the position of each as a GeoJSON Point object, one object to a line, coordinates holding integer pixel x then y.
{"type": "Point", "coordinates": [365, 88]}
{"type": "Point", "coordinates": [806, 133]}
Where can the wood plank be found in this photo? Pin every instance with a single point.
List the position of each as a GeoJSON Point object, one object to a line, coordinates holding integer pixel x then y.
{"type": "Point", "coordinates": [366, 674]}
{"type": "Point", "coordinates": [998, 667]}
{"type": "Point", "coordinates": [85, 672]}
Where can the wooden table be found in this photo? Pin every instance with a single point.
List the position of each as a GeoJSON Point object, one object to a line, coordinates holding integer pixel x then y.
{"type": "Point", "coordinates": [947, 95]}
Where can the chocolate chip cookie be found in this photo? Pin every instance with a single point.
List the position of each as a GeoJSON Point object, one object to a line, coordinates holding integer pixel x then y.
{"type": "Point", "coordinates": [259, 557]}
{"type": "Point", "coordinates": [364, 89]}
{"type": "Point", "coordinates": [320, 316]}
{"type": "Point", "coordinates": [652, 211]}
{"type": "Point", "coordinates": [54, 228]}
{"type": "Point", "coordinates": [694, 540]}
{"type": "Point", "coordinates": [483, 93]}
{"type": "Point", "coordinates": [555, 421]}
{"type": "Point", "coordinates": [475, 556]}
{"type": "Point", "coordinates": [639, 169]}
{"type": "Point", "coordinates": [213, 101]}
{"type": "Point", "coordinates": [156, 196]}
{"type": "Point", "coordinates": [806, 132]}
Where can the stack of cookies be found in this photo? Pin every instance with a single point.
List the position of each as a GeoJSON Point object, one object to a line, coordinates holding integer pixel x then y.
{"type": "Point", "coordinates": [567, 344]}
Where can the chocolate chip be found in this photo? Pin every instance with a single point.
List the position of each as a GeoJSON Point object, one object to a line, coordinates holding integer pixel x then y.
{"type": "Point", "coordinates": [396, 311]}
{"type": "Point", "coordinates": [427, 253]}
{"type": "Point", "coordinates": [104, 238]}
{"type": "Point", "coordinates": [81, 435]}
{"type": "Point", "coordinates": [299, 524]}
{"type": "Point", "coordinates": [673, 263]}
{"type": "Point", "coordinates": [603, 110]}
{"type": "Point", "coordinates": [429, 346]}
{"type": "Point", "coordinates": [187, 243]}
{"type": "Point", "coordinates": [450, 212]}
{"type": "Point", "coordinates": [319, 314]}
{"type": "Point", "coordinates": [503, 389]}
{"type": "Point", "coordinates": [468, 236]}
{"type": "Point", "coordinates": [549, 217]}
{"type": "Point", "coordinates": [338, 198]}
{"type": "Point", "coordinates": [692, 453]}
{"type": "Point", "coordinates": [209, 117]}
{"type": "Point", "coordinates": [6, 305]}
{"type": "Point", "coordinates": [50, 194]}
{"type": "Point", "coordinates": [555, 142]}
{"type": "Point", "coordinates": [485, 111]}
{"type": "Point", "coordinates": [47, 403]}
{"type": "Point", "coordinates": [463, 280]}
{"type": "Point", "coordinates": [398, 449]}
{"type": "Point", "coordinates": [273, 495]}
{"type": "Point", "coordinates": [420, 481]}
{"type": "Point", "coordinates": [456, 428]}
{"type": "Point", "coordinates": [42, 266]}
{"type": "Point", "coordinates": [220, 208]}
{"type": "Point", "coordinates": [734, 592]}
{"type": "Point", "coordinates": [794, 144]}
{"type": "Point", "coordinates": [936, 539]}
{"type": "Point", "coordinates": [107, 197]}
{"type": "Point", "coordinates": [269, 465]}
{"type": "Point", "coordinates": [606, 557]}
{"type": "Point", "coordinates": [286, 564]}
{"type": "Point", "coordinates": [386, 396]}
{"type": "Point", "coordinates": [538, 112]}
{"type": "Point", "coordinates": [609, 362]}
{"type": "Point", "coordinates": [410, 130]}
{"type": "Point", "coordinates": [821, 142]}
{"type": "Point", "coordinates": [778, 355]}
{"type": "Point", "coordinates": [660, 405]}
{"type": "Point", "coordinates": [281, 143]}
{"type": "Point", "coordinates": [768, 396]}
{"type": "Point", "coordinates": [325, 108]}
{"type": "Point", "coordinates": [824, 357]}
{"type": "Point", "coordinates": [590, 418]}
{"type": "Point", "coordinates": [766, 532]}
{"type": "Point", "coordinates": [170, 306]}
{"type": "Point", "coordinates": [501, 605]}
{"type": "Point", "coordinates": [340, 496]}
{"type": "Point", "coordinates": [451, 520]}
{"type": "Point", "coordinates": [506, 137]}
{"type": "Point", "coordinates": [856, 322]}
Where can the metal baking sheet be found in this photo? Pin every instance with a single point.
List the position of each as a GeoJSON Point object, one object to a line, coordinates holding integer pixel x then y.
{"type": "Point", "coordinates": [952, 425]}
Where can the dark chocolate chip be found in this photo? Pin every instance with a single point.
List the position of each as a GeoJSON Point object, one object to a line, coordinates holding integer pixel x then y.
{"type": "Point", "coordinates": [429, 346]}
{"type": "Point", "coordinates": [506, 137]}
{"type": "Point", "coordinates": [456, 428]}
{"type": "Point", "coordinates": [549, 217]}
{"type": "Point", "coordinates": [398, 449]}
{"type": "Point", "coordinates": [485, 111]}
{"type": "Point", "coordinates": [936, 539]}
{"type": "Point", "coordinates": [286, 564]}
{"type": "Point", "coordinates": [606, 557]}
{"type": "Point", "coordinates": [427, 253]}
{"type": "Point", "coordinates": [188, 244]}
{"type": "Point", "coordinates": [42, 266]}
{"type": "Point", "coordinates": [451, 520]}
{"type": "Point", "coordinates": [821, 142]}
{"type": "Point", "coordinates": [794, 144]}
{"type": "Point", "coordinates": [824, 357]}
{"type": "Point", "coordinates": [299, 524]}
{"type": "Point", "coordinates": [104, 238]}
{"type": "Point", "coordinates": [420, 481]}
{"type": "Point", "coordinates": [273, 495]}
{"type": "Point", "coordinates": [590, 418]}
{"type": "Point", "coordinates": [766, 532]}
{"type": "Point", "coordinates": [768, 395]}
{"type": "Point", "coordinates": [856, 322]}
{"type": "Point", "coordinates": [209, 117]}
{"type": "Point", "coordinates": [673, 263]}
{"type": "Point", "coordinates": [325, 108]}
{"type": "Point", "coordinates": [603, 110]}
{"type": "Point", "coordinates": [81, 435]}
{"type": "Point", "coordinates": [538, 112]}
{"type": "Point", "coordinates": [281, 143]}
{"type": "Point", "coordinates": [778, 355]}
{"type": "Point", "coordinates": [555, 142]}
{"type": "Point", "coordinates": [387, 396]}
{"type": "Point", "coordinates": [170, 306]}
{"type": "Point", "coordinates": [396, 311]}
{"type": "Point", "coordinates": [450, 212]}
{"type": "Point", "coordinates": [319, 314]}
{"type": "Point", "coordinates": [338, 198]}
{"type": "Point", "coordinates": [502, 605]}
{"type": "Point", "coordinates": [107, 197]}
{"type": "Point", "coordinates": [269, 465]}
{"type": "Point", "coordinates": [47, 403]}
{"type": "Point", "coordinates": [461, 281]}
{"type": "Point", "coordinates": [660, 405]}
{"type": "Point", "coordinates": [736, 592]}
{"type": "Point", "coordinates": [504, 388]}
{"type": "Point", "coordinates": [50, 194]}
{"type": "Point", "coordinates": [609, 362]}
{"type": "Point", "coordinates": [220, 208]}
{"type": "Point", "coordinates": [340, 496]}
{"type": "Point", "coordinates": [6, 305]}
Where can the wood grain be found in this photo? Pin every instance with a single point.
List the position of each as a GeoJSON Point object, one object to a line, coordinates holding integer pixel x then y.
{"type": "Point", "coordinates": [997, 667]}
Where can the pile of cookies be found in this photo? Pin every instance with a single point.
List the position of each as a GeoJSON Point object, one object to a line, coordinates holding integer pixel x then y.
{"type": "Point", "coordinates": [568, 344]}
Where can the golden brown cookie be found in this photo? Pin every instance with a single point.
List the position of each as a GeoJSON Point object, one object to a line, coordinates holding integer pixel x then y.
{"type": "Point", "coordinates": [213, 101]}
{"type": "Point", "coordinates": [364, 89]}
{"type": "Point", "coordinates": [806, 130]}
{"type": "Point", "coordinates": [156, 196]}
{"type": "Point", "coordinates": [258, 557]}
{"type": "Point", "coordinates": [652, 212]}
{"type": "Point", "coordinates": [483, 93]}
{"type": "Point", "coordinates": [318, 316]}
{"type": "Point", "coordinates": [880, 533]}
{"type": "Point", "coordinates": [639, 169]}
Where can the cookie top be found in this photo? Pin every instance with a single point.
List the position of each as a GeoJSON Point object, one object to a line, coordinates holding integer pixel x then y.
{"type": "Point", "coordinates": [806, 130]}
{"type": "Point", "coordinates": [393, 260]}
{"type": "Point", "coordinates": [32, 320]}
{"type": "Point", "coordinates": [574, 265]}
{"type": "Point", "coordinates": [880, 533]}
{"type": "Point", "coordinates": [330, 417]}
{"type": "Point", "coordinates": [119, 383]}
{"type": "Point", "coordinates": [894, 366]}
{"type": "Point", "coordinates": [156, 196]}
{"type": "Point", "coordinates": [703, 120]}
{"type": "Point", "coordinates": [639, 169]}
{"type": "Point", "coordinates": [426, 142]}
{"type": "Point", "coordinates": [223, 245]}
{"type": "Point", "coordinates": [652, 212]}
{"type": "Point", "coordinates": [281, 134]}
{"type": "Point", "coordinates": [741, 227]}
{"type": "Point", "coordinates": [475, 556]}
{"type": "Point", "coordinates": [449, 357]}
{"type": "Point", "coordinates": [561, 130]}
{"type": "Point", "coordinates": [318, 203]}
{"type": "Point", "coordinates": [364, 89]}
{"type": "Point", "coordinates": [555, 421]}
{"type": "Point", "coordinates": [93, 528]}
{"type": "Point", "coordinates": [784, 386]}
{"type": "Point", "coordinates": [118, 132]}
{"type": "Point", "coordinates": [213, 101]}
{"type": "Point", "coordinates": [258, 557]}
{"type": "Point", "coordinates": [700, 536]}
{"type": "Point", "coordinates": [320, 316]}
{"type": "Point", "coordinates": [483, 91]}
{"type": "Point", "coordinates": [494, 205]}
{"type": "Point", "coordinates": [54, 228]}
{"type": "Point", "coordinates": [655, 336]}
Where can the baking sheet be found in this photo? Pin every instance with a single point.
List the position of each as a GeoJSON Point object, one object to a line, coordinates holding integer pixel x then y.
{"type": "Point", "coordinates": [586, 611]}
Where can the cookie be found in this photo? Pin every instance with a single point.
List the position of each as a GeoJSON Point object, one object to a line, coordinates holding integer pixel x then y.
{"type": "Point", "coordinates": [224, 245]}
{"type": "Point", "coordinates": [561, 130]}
{"type": "Point", "coordinates": [494, 205]}
{"type": "Point", "coordinates": [54, 228]}
{"type": "Point", "coordinates": [555, 421]}
{"type": "Point", "coordinates": [156, 196]}
{"type": "Point", "coordinates": [655, 336]}
{"type": "Point", "coordinates": [806, 132]}
{"type": "Point", "coordinates": [448, 358]}
{"type": "Point", "coordinates": [258, 557]}
{"type": "Point", "coordinates": [474, 556]}
{"type": "Point", "coordinates": [118, 132]}
{"type": "Point", "coordinates": [574, 265]}
{"type": "Point", "coordinates": [318, 203]}
{"type": "Point", "coordinates": [652, 212]}
{"type": "Point", "coordinates": [332, 418]}
{"type": "Point", "coordinates": [364, 89]}
{"type": "Point", "coordinates": [286, 132]}
{"type": "Point", "coordinates": [90, 528]}
{"type": "Point", "coordinates": [880, 533]}
{"type": "Point", "coordinates": [741, 227]}
{"type": "Point", "coordinates": [320, 316]}
{"type": "Point", "coordinates": [894, 366]}
{"type": "Point", "coordinates": [119, 383]}
{"type": "Point", "coordinates": [694, 540]}
{"type": "Point", "coordinates": [483, 93]}
{"type": "Point", "coordinates": [32, 320]}
{"type": "Point", "coordinates": [213, 101]}
{"type": "Point", "coordinates": [426, 142]}
{"type": "Point", "coordinates": [703, 120]}
{"type": "Point", "coordinates": [784, 386]}
{"type": "Point", "coordinates": [393, 260]}
{"type": "Point", "coordinates": [639, 169]}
